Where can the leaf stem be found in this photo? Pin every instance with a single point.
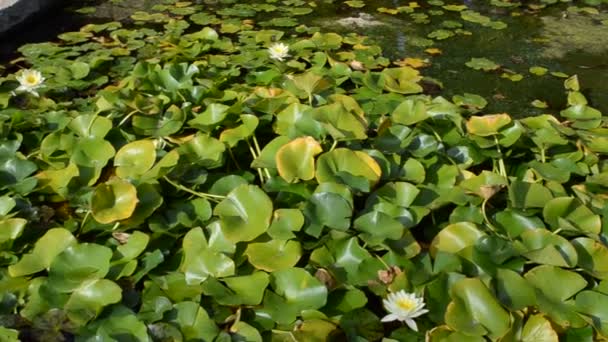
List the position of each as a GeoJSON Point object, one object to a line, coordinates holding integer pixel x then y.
{"type": "Point", "coordinates": [125, 118]}
{"type": "Point", "coordinates": [251, 149]}
{"type": "Point", "coordinates": [501, 163]}
{"type": "Point", "coordinates": [211, 197]}
{"type": "Point", "coordinates": [333, 145]}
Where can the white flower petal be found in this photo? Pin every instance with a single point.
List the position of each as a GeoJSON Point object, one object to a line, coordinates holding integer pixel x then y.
{"type": "Point", "coordinates": [404, 307]}
{"type": "Point", "coordinates": [412, 324]}
{"type": "Point", "coordinates": [389, 318]}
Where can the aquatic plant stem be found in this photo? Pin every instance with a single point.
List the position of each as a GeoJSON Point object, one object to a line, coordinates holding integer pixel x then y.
{"type": "Point", "coordinates": [501, 163]}
{"type": "Point", "coordinates": [126, 117]}
{"type": "Point", "coordinates": [211, 197]}
{"type": "Point", "coordinates": [257, 148]}
{"type": "Point", "coordinates": [260, 174]}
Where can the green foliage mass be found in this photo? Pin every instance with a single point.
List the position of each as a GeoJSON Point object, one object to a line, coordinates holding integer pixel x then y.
{"type": "Point", "coordinates": [174, 183]}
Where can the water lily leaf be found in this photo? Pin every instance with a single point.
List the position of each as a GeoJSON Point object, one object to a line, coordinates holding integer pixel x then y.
{"type": "Point", "coordinates": [472, 296]}
{"type": "Point", "coordinates": [242, 290]}
{"type": "Point", "coordinates": [299, 289]}
{"type": "Point", "coordinates": [208, 120]}
{"type": "Point", "coordinates": [379, 225]}
{"type": "Point", "coordinates": [245, 213]}
{"type": "Point", "coordinates": [79, 70]}
{"type": "Point", "coordinates": [11, 229]}
{"type": "Point", "coordinates": [409, 112]}
{"type": "Point", "coordinates": [513, 290]}
{"type": "Point", "coordinates": [203, 150]}
{"type": "Point", "coordinates": [331, 205]}
{"type": "Point", "coordinates": [342, 122]}
{"type": "Point", "coordinates": [592, 256]}
{"type": "Point", "coordinates": [470, 101]}
{"type": "Point", "coordinates": [362, 324]}
{"type": "Point", "coordinates": [315, 330]}
{"type": "Point", "coordinates": [285, 222]}
{"type": "Point", "coordinates": [133, 247]}
{"type": "Point", "coordinates": [403, 80]}
{"type": "Point", "coordinates": [51, 244]}
{"type": "Point", "coordinates": [93, 153]}
{"type": "Point", "coordinates": [343, 165]}
{"type": "Point", "coordinates": [584, 116]}
{"type": "Point", "coordinates": [515, 223]}
{"type": "Point", "coordinates": [274, 255]}
{"type": "Point", "coordinates": [77, 264]}
{"type": "Point", "coordinates": [543, 247]}
{"type": "Point", "coordinates": [528, 195]}
{"type": "Point", "coordinates": [593, 304]}
{"type": "Point", "coordinates": [119, 322]}
{"type": "Point", "coordinates": [545, 276]}
{"type": "Point", "coordinates": [538, 328]}
{"type": "Point", "coordinates": [441, 34]}
{"type": "Point", "coordinates": [135, 158]}
{"type": "Point", "coordinates": [87, 301]}
{"type": "Point", "coordinates": [355, 3]}
{"type": "Point", "coordinates": [456, 237]}
{"type": "Point", "coordinates": [487, 125]}
{"type": "Point", "coordinates": [296, 120]}
{"type": "Point", "coordinates": [6, 205]}
{"type": "Point", "coordinates": [163, 167]}
{"type": "Point", "coordinates": [485, 185]}
{"type": "Point", "coordinates": [90, 126]}
{"type": "Point", "coordinates": [538, 70]}
{"type": "Point", "coordinates": [540, 104]}
{"type": "Point", "coordinates": [232, 136]}
{"type": "Point", "coordinates": [570, 214]}
{"type": "Point", "coordinates": [295, 160]}
{"type": "Point", "coordinates": [200, 261]}
{"type": "Point", "coordinates": [327, 41]}
{"type": "Point", "coordinates": [113, 201]}
{"type": "Point", "coordinates": [15, 170]}
{"type": "Point", "coordinates": [194, 322]}
{"type": "Point", "coordinates": [163, 124]}
{"type": "Point", "coordinates": [9, 335]}
{"type": "Point", "coordinates": [482, 64]}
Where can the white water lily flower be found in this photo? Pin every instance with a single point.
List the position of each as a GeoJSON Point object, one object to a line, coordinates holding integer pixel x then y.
{"type": "Point", "coordinates": [29, 81]}
{"type": "Point", "coordinates": [403, 306]}
{"type": "Point", "coordinates": [278, 51]}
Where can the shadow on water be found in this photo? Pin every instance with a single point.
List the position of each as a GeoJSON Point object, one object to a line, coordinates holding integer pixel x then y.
{"type": "Point", "coordinates": [41, 27]}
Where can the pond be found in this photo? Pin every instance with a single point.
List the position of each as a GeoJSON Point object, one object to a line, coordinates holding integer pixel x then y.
{"type": "Point", "coordinates": [565, 39]}
{"type": "Point", "coordinates": [305, 170]}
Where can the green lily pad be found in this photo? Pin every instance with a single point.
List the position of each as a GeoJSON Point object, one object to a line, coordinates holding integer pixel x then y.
{"type": "Point", "coordinates": [482, 64]}
{"type": "Point", "coordinates": [87, 301]}
{"type": "Point", "coordinates": [113, 201]}
{"type": "Point", "coordinates": [200, 261]}
{"type": "Point", "coordinates": [300, 290]}
{"type": "Point", "coordinates": [488, 124]}
{"type": "Point", "coordinates": [135, 158]}
{"type": "Point", "coordinates": [295, 160]}
{"type": "Point", "coordinates": [51, 244]}
{"type": "Point", "coordinates": [245, 213]}
{"type": "Point", "coordinates": [353, 168]}
{"type": "Point", "coordinates": [78, 264]}
{"type": "Point", "coordinates": [274, 255]}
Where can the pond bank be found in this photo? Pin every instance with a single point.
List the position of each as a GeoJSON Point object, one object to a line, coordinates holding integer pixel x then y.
{"type": "Point", "coordinates": [16, 12]}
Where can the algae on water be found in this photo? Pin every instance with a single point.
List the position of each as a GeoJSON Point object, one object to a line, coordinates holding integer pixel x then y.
{"type": "Point", "coordinates": [574, 32]}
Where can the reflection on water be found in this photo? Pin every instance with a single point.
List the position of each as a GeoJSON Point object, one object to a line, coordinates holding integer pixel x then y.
{"type": "Point", "coordinates": [572, 44]}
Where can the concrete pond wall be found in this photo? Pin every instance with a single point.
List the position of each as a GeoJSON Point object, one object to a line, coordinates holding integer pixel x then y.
{"type": "Point", "coordinates": [15, 12]}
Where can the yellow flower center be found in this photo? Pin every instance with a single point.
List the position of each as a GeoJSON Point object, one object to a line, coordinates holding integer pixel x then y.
{"type": "Point", "coordinates": [406, 304]}
{"type": "Point", "coordinates": [31, 79]}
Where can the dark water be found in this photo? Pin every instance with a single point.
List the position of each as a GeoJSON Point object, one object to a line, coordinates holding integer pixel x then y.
{"type": "Point", "coordinates": [553, 38]}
